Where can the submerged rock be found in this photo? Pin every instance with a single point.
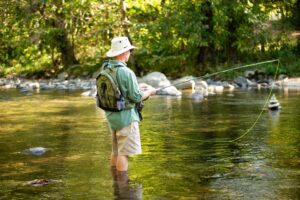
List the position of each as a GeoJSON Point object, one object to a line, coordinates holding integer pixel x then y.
{"type": "Point", "coordinates": [38, 182]}
{"type": "Point", "coordinates": [35, 151]}
{"type": "Point", "coordinates": [197, 96]}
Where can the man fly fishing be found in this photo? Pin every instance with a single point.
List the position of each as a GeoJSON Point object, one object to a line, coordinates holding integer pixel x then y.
{"type": "Point", "coordinates": [119, 94]}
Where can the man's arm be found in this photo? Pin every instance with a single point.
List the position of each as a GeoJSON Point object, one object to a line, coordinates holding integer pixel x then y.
{"type": "Point", "coordinates": [147, 91]}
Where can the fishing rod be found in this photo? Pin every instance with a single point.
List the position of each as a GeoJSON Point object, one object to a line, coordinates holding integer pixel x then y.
{"type": "Point", "coordinates": [219, 72]}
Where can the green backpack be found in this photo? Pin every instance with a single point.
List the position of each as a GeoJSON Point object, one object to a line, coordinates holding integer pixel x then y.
{"type": "Point", "coordinates": [109, 96]}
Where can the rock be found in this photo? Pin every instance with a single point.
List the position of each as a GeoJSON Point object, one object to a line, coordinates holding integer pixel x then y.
{"type": "Point", "coordinates": [89, 93]}
{"type": "Point", "coordinates": [228, 86]}
{"type": "Point", "coordinates": [274, 103]}
{"type": "Point", "coordinates": [37, 182]}
{"type": "Point", "coordinates": [201, 84]}
{"type": "Point", "coordinates": [24, 90]}
{"type": "Point", "coordinates": [186, 82]}
{"type": "Point", "coordinates": [35, 85]}
{"type": "Point", "coordinates": [62, 76]}
{"type": "Point", "coordinates": [197, 96]}
{"type": "Point", "coordinates": [86, 85]}
{"type": "Point", "coordinates": [156, 79]}
{"type": "Point", "coordinates": [249, 74]}
{"type": "Point", "coordinates": [282, 77]}
{"type": "Point", "coordinates": [2, 82]}
{"type": "Point", "coordinates": [172, 91]}
{"type": "Point", "coordinates": [219, 88]}
{"type": "Point", "coordinates": [60, 87]}
{"type": "Point", "coordinates": [241, 81]}
{"type": "Point", "coordinates": [10, 86]}
{"type": "Point", "coordinates": [35, 151]}
{"type": "Point", "coordinates": [251, 83]}
{"type": "Point", "coordinates": [216, 88]}
{"type": "Point", "coordinates": [291, 82]}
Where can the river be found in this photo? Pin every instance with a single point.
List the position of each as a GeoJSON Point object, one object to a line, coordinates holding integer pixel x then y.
{"type": "Point", "coordinates": [186, 153]}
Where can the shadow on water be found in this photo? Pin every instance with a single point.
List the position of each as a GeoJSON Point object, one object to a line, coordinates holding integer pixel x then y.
{"type": "Point", "coordinates": [182, 158]}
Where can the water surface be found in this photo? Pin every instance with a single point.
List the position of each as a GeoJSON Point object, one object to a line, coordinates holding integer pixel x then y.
{"type": "Point", "coordinates": [185, 153]}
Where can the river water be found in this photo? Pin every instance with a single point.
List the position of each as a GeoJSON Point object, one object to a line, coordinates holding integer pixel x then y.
{"type": "Point", "coordinates": [185, 150]}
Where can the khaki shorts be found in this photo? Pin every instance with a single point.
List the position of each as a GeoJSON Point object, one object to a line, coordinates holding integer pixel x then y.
{"type": "Point", "coordinates": [126, 141]}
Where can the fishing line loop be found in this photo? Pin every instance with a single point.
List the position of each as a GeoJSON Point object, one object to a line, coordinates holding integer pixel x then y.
{"type": "Point", "coordinates": [260, 113]}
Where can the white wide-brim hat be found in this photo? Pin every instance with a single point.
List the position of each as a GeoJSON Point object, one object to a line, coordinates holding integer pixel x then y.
{"type": "Point", "coordinates": [119, 45]}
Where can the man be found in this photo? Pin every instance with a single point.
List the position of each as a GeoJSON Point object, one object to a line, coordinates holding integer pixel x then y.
{"type": "Point", "coordinates": [124, 124]}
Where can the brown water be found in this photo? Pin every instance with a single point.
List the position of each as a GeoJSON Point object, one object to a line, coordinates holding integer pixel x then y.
{"type": "Point", "coordinates": [182, 158]}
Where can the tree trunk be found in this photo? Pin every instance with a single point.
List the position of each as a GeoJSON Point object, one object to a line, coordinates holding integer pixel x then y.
{"type": "Point", "coordinates": [231, 49]}
{"type": "Point", "coordinates": [206, 51]}
{"type": "Point", "coordinates": [125, 25]}
{"type": "Point", "coordinates": [296, 15]}
{"type": "Point", "coordinates": [65, 47]}
{"type": "Point", "coordinates": [124, 19]}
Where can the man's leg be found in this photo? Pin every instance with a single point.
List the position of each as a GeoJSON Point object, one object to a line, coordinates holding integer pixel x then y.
{"type": "Point", "coordinates": [113, 160]}
{"type": "Point", "coordinates": [122, 163]}
{"type": "Point", "coordinates": [114, 152]}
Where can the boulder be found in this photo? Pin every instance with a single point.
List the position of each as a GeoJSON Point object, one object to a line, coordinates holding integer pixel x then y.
{"type": "Point", "coordinates": [156, 79]}
{"type": "Point", "coordinates": [62, 76]}
{"type": "Point", "coordinates": [186, 82]}
{"type": "Point", "coordinates": [201, 84]}
{"type": "Point", "coordinates": [249, 74]}
{"type": "Point", "coordinates": [228, 86]}
{"type": "Point", "coordinates": [172, 91]}
{"type": "Point", "coordinates": [291, 82]}
{"type": "Point", "coordinates": [241, 82]}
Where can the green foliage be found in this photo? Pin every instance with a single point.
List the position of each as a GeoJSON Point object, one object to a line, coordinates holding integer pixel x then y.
{"type": "Point", "coordinates": [175, 37]}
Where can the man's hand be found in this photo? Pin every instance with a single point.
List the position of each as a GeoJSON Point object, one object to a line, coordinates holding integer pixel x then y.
{"type": "Point", "coordinates": [148, 90]}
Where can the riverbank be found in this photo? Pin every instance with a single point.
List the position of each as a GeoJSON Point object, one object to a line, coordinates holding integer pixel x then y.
{"type": "Point", "coordinates": [158, 80]}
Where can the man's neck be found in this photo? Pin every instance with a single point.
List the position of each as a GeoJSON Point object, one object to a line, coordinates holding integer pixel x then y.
{"type": "Point", "coordinates": [116, 59]}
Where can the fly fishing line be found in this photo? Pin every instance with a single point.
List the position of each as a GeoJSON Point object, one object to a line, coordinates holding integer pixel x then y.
{"type": "Point", "coordinates": [257, 118]}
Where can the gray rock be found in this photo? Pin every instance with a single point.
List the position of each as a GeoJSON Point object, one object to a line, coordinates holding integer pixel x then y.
{"type": "Point", "coordinates": [60, 87]}
{"type": "Point", "coordinates": [172, 91]}
{"type": "Point", "coordinates": [251, 83]}
{"type": "Point", "coordinates": [62, 76]}
{"type": "Point", "coordinates": [282, 77]}
{"type": "Point", "coordinates": [241, 82]}
{"type": "Point", "coordinates": [35, 151]}
{"type": "Point", "coordinates": [2, 81]}
{"type": "Point", "coordinates": [186, 82]}
{"type": "Point", "coordinates": [156, 79]}
{"type": "Point", "coordinates": [249, 74]}
{"type": "Point", "coordinates": [89, 93]}
{"type": "Point", "coordinates": [201, 84]}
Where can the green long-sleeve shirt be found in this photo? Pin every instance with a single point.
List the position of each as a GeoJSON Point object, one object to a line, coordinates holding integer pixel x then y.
{"type": "Point", "coordinates": [128, 86]}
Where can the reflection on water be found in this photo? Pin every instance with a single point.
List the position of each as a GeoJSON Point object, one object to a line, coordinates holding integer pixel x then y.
{"type": "Point", "coordinates": [182, 154]}
{"type": "Point", "coordinates": [123, 189]}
